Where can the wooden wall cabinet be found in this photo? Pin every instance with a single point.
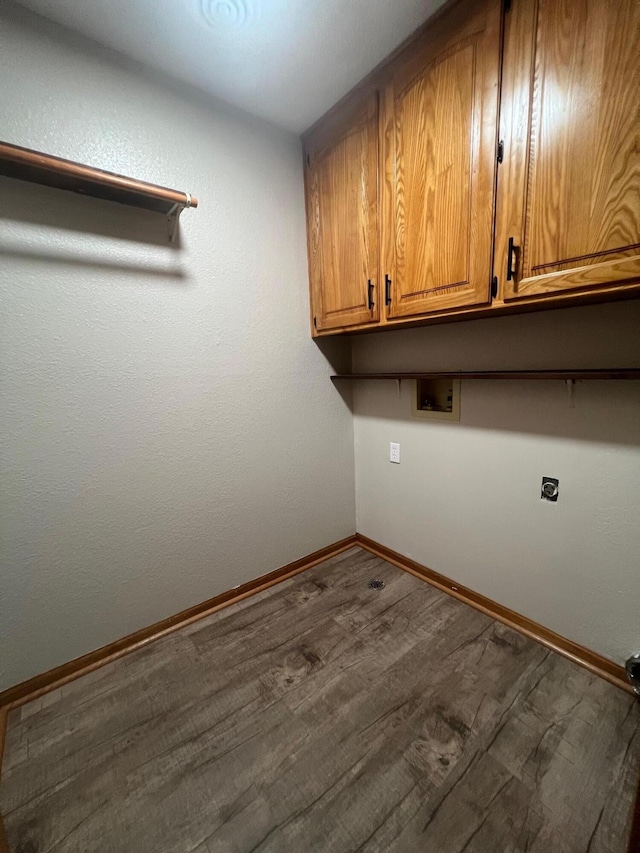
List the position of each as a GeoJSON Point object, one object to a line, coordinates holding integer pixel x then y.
{"type": "Point", "coordinates": [568, 210]}
{"type": "Point", "coordinates": [440, 114]}
{"type": "Point", "coordinates": [342, 218]}
{"type": "Point", "coordinates": [491, 165]}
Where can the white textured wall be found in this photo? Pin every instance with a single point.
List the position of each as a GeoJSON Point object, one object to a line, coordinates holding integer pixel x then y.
{"type": "Point", "coordinates": [168, 428]}
{"type": "Point", "coordinates": [465, 499]}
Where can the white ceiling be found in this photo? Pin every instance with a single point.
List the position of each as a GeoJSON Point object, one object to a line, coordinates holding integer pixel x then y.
{"type": "Point", "coordinates": [285, 60]}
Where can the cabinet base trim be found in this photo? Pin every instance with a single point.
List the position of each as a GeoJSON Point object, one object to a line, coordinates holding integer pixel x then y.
{"type": "Point", "coordinates": [515, 305]}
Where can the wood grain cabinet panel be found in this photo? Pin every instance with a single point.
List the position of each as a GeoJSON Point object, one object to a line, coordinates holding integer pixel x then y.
{"type": "Point", "coordinates": [342, 211]}
{"type": "Point", "coordinates": [569, 187]}
{"type": "Point", "coordinates": [441, 112]}
{"type": "Point", "coordinates": [491, 165]}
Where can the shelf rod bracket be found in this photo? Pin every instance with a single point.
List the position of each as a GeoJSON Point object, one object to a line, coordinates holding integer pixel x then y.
{"type": "Point", "coordinates": [571, 384]}
{"type": "Point", "coordinates": [172, 221]}
{"type": "Point", "coordinates": [399, 387]}
{"type": "Point", "coordinates": [173, 216]}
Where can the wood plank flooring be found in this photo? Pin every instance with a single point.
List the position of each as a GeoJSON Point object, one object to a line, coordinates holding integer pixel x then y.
{"type": "Point", "coordinates": [324, 716]}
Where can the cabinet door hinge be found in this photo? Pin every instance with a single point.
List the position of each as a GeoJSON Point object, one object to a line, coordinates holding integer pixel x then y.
{"type": "Point", "coordinates": [494, 287]}
{"type": "Point", "coordinates": [500, 156]}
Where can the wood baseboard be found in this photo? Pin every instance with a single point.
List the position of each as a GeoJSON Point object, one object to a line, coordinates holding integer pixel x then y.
{"type": "Point", "coordinates": [605, 668]}
{"type": "Point", "coordinates": [37, 686]}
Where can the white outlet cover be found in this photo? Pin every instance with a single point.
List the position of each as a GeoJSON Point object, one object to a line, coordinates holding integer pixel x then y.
{"type": "Point", "coordinates": [394, 452]}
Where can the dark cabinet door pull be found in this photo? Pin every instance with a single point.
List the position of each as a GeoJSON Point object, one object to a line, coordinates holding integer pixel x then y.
{"type": "Point", "coordinates": [387, 290]}
{"type": "Point", "coordinates": [512, 254]}
{"type": "Point", "coordinates": [370, 295]}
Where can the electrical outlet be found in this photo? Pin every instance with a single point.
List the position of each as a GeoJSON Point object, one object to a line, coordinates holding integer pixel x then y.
{"type": "Point", "coordinates": [550, 487]}
{"type": "Point", "coordinates": [394, 452]}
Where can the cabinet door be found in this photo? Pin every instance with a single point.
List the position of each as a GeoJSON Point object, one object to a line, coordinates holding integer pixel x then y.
{"type": "Point", "coordinates": [342, 227]}
{"type": "Point", "coordinates": [569, 186]}
{"type": "Point", "coordinates": [440, 127]}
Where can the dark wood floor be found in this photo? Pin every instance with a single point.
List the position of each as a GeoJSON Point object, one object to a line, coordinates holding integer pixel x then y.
{"type": "Point", "coordinates": [324, 716]}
